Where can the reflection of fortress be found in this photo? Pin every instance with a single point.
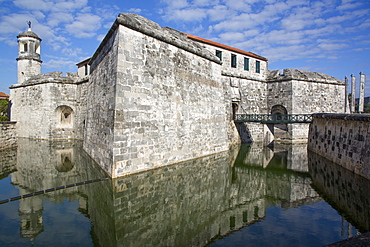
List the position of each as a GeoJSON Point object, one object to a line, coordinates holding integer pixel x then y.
{"type": "Point", "coordinates": [43, 165]}
{"type": "Point", "coordinates": [153, 96]}
{"type": "Point", "coordinates": [189, 203]}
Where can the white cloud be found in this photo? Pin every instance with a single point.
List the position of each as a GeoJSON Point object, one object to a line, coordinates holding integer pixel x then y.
{"type": "Point", "coordinates": [84, 25]}
{"type": "Point", "coordinates": [72, 52]}
{"type": "Point", "coordinates": [243, 6]}
{"type": "Point", "coordinates": [232, 36]}
{"type": "Point", "coordinates": [331, 46]}
{"type": "Point", "coordinates": [50, 5]}
{"type": "Point", "coordinates": [176, 4]}
{"type": "Point", "coordinates": [187, 14]}
{"type": "Point", "coordinates": [69, 5]}
{"type": "Point", "coordinates": [220, 12]}
{"type": "Point", "coordinates": [204, 2]}
{"type": "Point", "coordinates": [33, 4]}
{"type": "Point", "coordinates": [58, 18]}
{"type": "Point", "coordinates": [135, 10]}
{"type": "Point", "coordinates": [57, 64]}
{"type": "Point", "coordinates": [347, 6]}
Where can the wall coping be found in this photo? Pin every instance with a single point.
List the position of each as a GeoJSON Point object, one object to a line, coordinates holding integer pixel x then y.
{"type": "Point", "coordinates": [8, 122]}
{"type": "Point", "coordinates": [152, 29]}
{"type": "Point", "coordinates": [343, 116]}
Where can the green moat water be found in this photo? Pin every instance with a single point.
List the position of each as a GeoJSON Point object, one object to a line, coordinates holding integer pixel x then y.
{"type": "Point", "coordinates": [249, 196]}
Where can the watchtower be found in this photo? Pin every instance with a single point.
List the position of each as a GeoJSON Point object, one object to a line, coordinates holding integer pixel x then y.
{"type": "Point", "coordinates": [29, 63]}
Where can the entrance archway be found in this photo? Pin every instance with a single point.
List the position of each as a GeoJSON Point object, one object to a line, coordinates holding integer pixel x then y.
{"type": "Point", "coordinates": [64, 116]}
{"type": "Point", "coordinates": [279, 110]}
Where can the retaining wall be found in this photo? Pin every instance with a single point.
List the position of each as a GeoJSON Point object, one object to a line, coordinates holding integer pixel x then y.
{"type": "Point", "coordinates": [7, 135]}
{"type": "Point", "coordinates": [343, 139]}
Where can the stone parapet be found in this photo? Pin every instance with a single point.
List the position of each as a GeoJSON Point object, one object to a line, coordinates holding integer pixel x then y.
{"type": "Point", "coordinates": [152, 29]}
{"type": "Point", "coordinates": [343, 139]}
{"type": "Point", "coordinates": [337, 116]}
{"type": "Point", "coordinates": [7, 135]}
{"type": "Point", "coordinates": [295, 74]}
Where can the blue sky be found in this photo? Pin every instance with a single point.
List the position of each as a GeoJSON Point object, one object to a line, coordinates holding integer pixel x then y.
{"type": "Point", "coordinates": [329, 36]}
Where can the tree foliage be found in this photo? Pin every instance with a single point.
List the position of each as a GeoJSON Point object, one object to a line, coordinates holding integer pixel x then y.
{"type": "Point", "coordinates": [3, 107]}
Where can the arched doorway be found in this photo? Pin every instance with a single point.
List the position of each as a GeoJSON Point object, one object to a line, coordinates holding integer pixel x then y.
{"type": "Point", "coordinates": [280, 110]}
{"type": "Point", "coordinates": [64, 116]}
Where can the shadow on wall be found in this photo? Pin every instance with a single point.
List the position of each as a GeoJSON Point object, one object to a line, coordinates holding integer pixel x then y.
{"type": "Point", "coordinates": [244, 133]}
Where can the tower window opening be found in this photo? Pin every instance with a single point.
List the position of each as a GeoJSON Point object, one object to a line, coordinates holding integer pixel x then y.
{"type": "Point", "coordinates": [246, 63]}
{"type": "Point", "coordinates": [233, 60]}
{"type": "Point", "coordinates": [37, 48]}
{"type": "Point", "coordinates": [25, 47]}
{"type": "Point", "coordinates": [258, 66]}
{"type": "Point", "coordinates": [219, 54]}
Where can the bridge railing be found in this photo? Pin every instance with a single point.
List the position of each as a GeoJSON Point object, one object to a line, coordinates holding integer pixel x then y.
{"type": "Point", "coordinates": [273, 118]}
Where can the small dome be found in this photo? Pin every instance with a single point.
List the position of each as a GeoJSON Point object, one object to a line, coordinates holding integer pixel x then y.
{"type": "Point", "coordinates": [29, 33]}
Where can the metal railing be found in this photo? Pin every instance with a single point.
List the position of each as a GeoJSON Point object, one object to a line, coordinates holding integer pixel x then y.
{"type": "Point", "coordinates": [273, 119]}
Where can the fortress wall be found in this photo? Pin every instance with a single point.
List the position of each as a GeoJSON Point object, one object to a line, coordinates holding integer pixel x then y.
{"type": "Point", "coordinates": [35, 108]}
{"type": "Point", "coordinates": [315, 97]}
{"type": "Point", "coordinates": [7, 135]}
{"type": "Point", "coordinates": [100, 107]}
{"type": "Point", "coordinates": [343, 139]}
{"type": "Point", "coordinates": [170, 104]}
{"type": "Point", "coordinates": [279, 93]}
{"type": "Point", "coordinates": [305, 97]}
{"type": "Point", "coordinates": [250, 96]}
{"type": "Point", "coordinates": [253, 99]}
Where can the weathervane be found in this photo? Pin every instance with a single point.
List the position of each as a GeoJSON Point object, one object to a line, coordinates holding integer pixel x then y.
{"type": "Point", "coordinates": [29, 24]}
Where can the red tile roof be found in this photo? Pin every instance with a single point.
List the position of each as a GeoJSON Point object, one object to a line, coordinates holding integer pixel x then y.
{"type": "Point", "coordinates": [209, 42]}
{"type": "Point", "coordinates": [4, 95]}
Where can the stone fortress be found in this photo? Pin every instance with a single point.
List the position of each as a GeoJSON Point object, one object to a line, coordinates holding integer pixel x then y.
{"type": "Point", "coordinates": [152, 96]}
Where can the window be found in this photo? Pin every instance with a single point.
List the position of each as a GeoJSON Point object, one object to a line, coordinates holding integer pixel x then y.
{"type": "Point", "coordinates": [219, 54]}
{"type": "Point", "coordinates": [25, 48]}
{"type": "Point", "coordinates": [233, 60]}
{"type": "Point", "coordinates": [258, 66]}
{"type": "Point", "coordinates": [246, 63]}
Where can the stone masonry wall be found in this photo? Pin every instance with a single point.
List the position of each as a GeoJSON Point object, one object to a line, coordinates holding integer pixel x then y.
{"type": "Point", "coordinates": [7, 135]}
{"type": "Point", "coordinates": [99, 134]}
{"type": "Point", "coordinates": [343, 139]}
{"type": "Point", "coordinates": [250, 96]}
{"type": "Point", "coordinates": [39, 107]}
{"type": "Point", "coordinates": [169, 104]}
{"type": "Point", "coordinates": [309, 97]}
{"type": "Point", "coordinates": [302, 92]}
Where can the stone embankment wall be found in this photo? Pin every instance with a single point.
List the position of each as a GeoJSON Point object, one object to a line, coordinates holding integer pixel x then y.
{"type": "Point", "coordinates": [343, 139]}
{"type": "Point", "coordinates": [7, 135]}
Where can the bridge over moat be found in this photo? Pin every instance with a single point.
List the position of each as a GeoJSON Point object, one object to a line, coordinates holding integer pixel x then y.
{"type": "Point", "coordinates": [273, 118]}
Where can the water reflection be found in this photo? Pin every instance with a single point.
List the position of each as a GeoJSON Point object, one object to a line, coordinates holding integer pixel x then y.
{"type": "Point", "coordinates": [41, 165]}
{"type": "Point", "coordinates": [193, 203]}
{"type": "Point", "coordinates": [344, 190]}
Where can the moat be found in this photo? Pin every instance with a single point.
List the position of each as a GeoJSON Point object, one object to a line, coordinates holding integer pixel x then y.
{"type": "Point", "coordinates": [249, 196]}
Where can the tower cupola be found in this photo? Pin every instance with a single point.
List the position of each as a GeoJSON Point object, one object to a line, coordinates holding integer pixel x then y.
{"type": "Point", "coordinates": [29, 62]}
